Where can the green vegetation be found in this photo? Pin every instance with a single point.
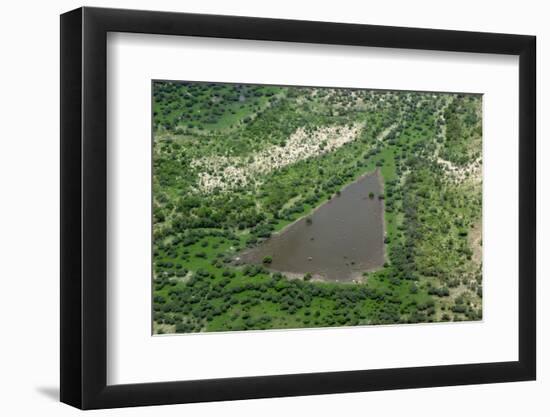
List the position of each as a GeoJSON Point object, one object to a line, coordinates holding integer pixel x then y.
{"type": "Point", "coordinates": [463, 130]}
{"type": "Point", "coordinates": [194, 106]}
{"type": "Point", "coordinates": [234, 164]}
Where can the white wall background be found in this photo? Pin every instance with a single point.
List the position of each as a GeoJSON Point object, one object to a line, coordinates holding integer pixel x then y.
{"type": "Point", "coordinates": [29, 225]}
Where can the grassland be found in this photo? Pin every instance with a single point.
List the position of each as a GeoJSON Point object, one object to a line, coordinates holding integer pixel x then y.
{"type": "Point", "coordinates": [234, 164]}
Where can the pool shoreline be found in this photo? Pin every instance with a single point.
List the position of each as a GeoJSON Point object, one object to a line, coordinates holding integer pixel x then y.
{"type": "Point", "coordinates": [352, 222]}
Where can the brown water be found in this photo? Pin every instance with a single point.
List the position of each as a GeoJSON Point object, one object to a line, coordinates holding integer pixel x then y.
{"type": "Point", "coordinates": [345, 237]}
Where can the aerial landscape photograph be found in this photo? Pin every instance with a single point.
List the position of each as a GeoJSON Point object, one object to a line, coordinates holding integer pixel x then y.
{"type": "Point", "coordinates": [291, 207]}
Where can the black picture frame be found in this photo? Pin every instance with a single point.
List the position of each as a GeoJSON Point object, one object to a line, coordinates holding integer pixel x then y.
{"type": "Point", "coordinates": [84, 207]}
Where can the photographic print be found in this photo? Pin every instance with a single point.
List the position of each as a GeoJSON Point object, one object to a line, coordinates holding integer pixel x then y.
{"type": "Point", "coordinates": [287, 207]}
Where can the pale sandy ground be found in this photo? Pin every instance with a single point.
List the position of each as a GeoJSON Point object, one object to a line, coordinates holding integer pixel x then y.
{"type": "Point", "coordinates": [460, 174]}
{"type": "Point", "coordinates": [475, 242]}
{"type": "Point", "coordinates": [386, 132]}
{"type": "Point", "coordinates": [220, 172]}
{"type": "Point", "coordinates": [164, 328]}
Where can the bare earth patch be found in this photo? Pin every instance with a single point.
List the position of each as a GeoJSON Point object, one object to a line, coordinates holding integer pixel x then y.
{"type": "Point", "coordinates": [384, 134]}
{"type": "Point", "coordinates": [163, 328]}
{"type": "Point", "coordinates": [475, 243]}
{"type": "Point", "coordinates": [460, 174]}
{"type": "Point", "coordinates": [220, 172]}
